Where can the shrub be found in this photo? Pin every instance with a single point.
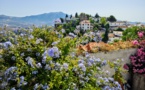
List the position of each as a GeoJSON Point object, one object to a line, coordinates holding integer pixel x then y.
{"type": "Point", "coordinates": [43, 60]}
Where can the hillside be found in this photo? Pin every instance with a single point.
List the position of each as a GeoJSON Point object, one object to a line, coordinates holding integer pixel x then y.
{"type": "Point", "coordinates": [41, 19]}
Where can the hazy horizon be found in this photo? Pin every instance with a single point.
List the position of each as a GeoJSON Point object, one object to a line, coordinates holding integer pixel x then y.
{"type": "Point", "coordinates": [129, 10]}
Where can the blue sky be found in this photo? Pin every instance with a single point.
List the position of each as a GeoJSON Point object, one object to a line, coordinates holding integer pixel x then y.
{"type": "Point", "coordinates": [130, 10]}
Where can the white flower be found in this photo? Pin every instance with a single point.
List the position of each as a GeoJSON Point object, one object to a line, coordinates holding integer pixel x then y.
{"type": "Point", "coordinates": [47, 67]}
{"type": "Point", "coordinates": [29, 50]}
{"type": "Point", "coordinates": [30, 61]}
{"type": "Point", "coordinates": [34, 72]}
{"type": "Point", "coordinates": [44, 59]}
{"type": "Point", "coordinates": [39, 40]}
{"type": "Point", "coordinates": [13, 88]}
{"type": "Point", "coordinates": [36, 86]}
{"type": "Point", "coordinates": [22, 54]}
{"type": "Point", "coordinates": [38, 65]}
{"type": "Point", "coordinates": [72, 34]}
{"type": "Point", "coordinates": [13, 58]}
{"type": "Point", "coordinates": [98, 60]}
{"type": "Point", "coordinates": [63, 31]}
{"type": "Point", "coordinates": [31, 37]}
{"type": "Point", "coordinates": [21, 34]}
{"type": "Point", "coordinates": [37, 54]}
{"type": "Point", "coordinates": [65, 66]}
{"type": "Point", "coordinates": [1, 56]}
{"type": "Point", "coordinates": [111, 79]}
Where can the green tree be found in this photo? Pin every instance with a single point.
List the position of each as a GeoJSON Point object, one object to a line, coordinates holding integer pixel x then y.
{"type": "Point", "coordinates": [70, 16]}
{"type": "Point", "coordinates": [62, 20]}
{"type": "Point", "coordinates": [119, 29]}
{"type": "Point", "coordinates": [111, 18]}
{"type": "Point", "coordinates": [130, 33]}
{"type": "Point", "coordinates": [106, 38]}
{"type": "Point", "coordinates": [66, 16]}
{"type": "Point", "coordinates": [97, 16]}
{"type": "Point", "coordinates": [103, 21]}
{"type": "Point", "coordinates": [76, 15]}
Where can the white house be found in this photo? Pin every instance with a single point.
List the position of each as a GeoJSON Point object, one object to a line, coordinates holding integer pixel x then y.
{"type": "Point", "coordinates": [118, 23]}
{"type": "Point", "coordinates": [118, 33]}
{"type": "Point", "coordinates": [85, 25]}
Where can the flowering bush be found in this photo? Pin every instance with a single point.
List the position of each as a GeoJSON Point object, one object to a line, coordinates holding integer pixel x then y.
{"type": "Point", "coordinates": [45, 60]}
{"type": "Point", "coordinates": [133, 33]}
{"type": "Point", "coordinates": [138, 59]}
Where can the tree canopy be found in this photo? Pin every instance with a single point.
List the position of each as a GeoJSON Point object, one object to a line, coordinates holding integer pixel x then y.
{"type": "Point", "coordinates": [62, 20]}
{"type": "Point", "coordinates": [97, 16]}
{"type": "Point", "coordinates": [70, 16]}
{"type": "Point", "coordinates": [76, 15]}
{"type": "Point", "coordinates": [66, 16]}
{"type": "Point", "coordinates": [111, 18]}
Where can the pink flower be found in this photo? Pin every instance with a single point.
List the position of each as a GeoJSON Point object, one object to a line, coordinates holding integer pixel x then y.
{"type": "Point", "coordinates": [140, 71]}
{"type": "Point", "coordinates": [140, 34]}
{"type": "Point", "coordinates": [135, 42]}
{"type": "Point", "coordinates": [126, 67]}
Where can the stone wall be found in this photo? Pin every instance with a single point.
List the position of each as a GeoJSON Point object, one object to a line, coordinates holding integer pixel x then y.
{"type": "Point", "coordinates": [113, 55]}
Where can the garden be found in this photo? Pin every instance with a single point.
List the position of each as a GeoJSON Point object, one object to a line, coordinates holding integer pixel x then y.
{"type": "Point", "coordinates": [43, 59]}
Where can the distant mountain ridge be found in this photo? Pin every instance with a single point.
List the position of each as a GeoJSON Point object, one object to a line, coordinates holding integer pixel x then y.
{"type": "Point", "coordinates": [41, 19]}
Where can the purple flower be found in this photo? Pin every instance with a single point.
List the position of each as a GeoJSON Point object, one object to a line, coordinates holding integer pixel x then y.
{"type": "Point", "coordinates": [51, 52]}
{"type": "Point", "coordinates": [54, 52]}
{"type": "Point", "coordinates": [82, 67]}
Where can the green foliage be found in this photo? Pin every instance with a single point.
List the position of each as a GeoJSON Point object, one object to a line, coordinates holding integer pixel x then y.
{"type": "Point", "coordinates": [70, 16]}
{"type": "Point", "coordinates": [46, 35]}
{"type": "Point", "coordinates": [103, 20]}
{"type": "Point", "coordinates": [119, 29]}
{"type": "Point", "coordinates": [116, 40]}
{"type": "Point", "coordinates": [131, 33]}
{"type": "Point", "coordinates": [97, 16]}
{"type": "Point", "coordinates": [66, 16]}
{"type": "Point", "coordinates": [111, 18]}
{"type": "Point", "coordinates": [76, 15]}
{"type": "Point", "coordinates": [30, 64]}
{"type": "Point", "coordinates": [62, 20]}
{"type": "Point", "coordinates": [106, 38]}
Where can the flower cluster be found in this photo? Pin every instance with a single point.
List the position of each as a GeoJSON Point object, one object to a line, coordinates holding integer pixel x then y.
{"type": "Point", "coordinates": [42, 61]}
{"type": "Point", "coordinates": [140, 34]}
{"type": "Point", "coordinates": [138, 59]}
{"type": "Point", "coordinates": [52, 52]}
{"type": "Point", "coordinates": [6, 45]}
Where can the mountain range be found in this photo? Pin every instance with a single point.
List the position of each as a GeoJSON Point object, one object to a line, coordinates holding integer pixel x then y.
{"type": "Point", "coordinates": [41, 19]}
